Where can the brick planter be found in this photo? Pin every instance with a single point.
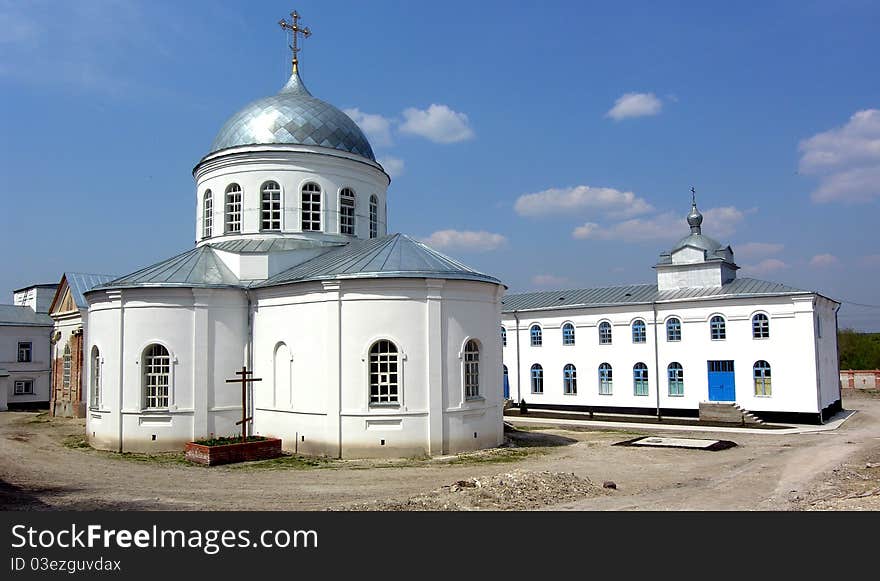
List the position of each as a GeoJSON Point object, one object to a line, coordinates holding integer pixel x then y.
{"type": "Point", "coordinates": [229, 453]}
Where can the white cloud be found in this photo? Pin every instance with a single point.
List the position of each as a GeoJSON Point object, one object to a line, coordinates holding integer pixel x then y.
{"type": "Point", "coordinates": [717, 222]}
{"type": "Point", "coordinates": [377, 127]}
{"type": "Point", "coordinates": [548, 280]}
{"type": "Point", "coordinates": [393, 165]}
{"type": "Point", "coordinates": [630, 105]}
{"type": "Point", "coordinates": [845, 159]}
{"type": "Point", "coordinates": [751, 250]}
{"type": "Point", "coordinates": [465, 240]}
{"type": "Point", "coordinates": [609, 201]}
{"type": "Point", "coordinates": [823, 260]}
{"type": "Point", "coordinates": [437, 123]}
{"type": "Point", "coordinates": [766, 266]}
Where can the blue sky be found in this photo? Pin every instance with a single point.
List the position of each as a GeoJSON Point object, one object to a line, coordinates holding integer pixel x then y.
{"type": "Point", "coordinates": [552, 144]}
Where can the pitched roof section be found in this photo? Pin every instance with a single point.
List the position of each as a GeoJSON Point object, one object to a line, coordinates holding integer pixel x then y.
{"type": "Point", "coordinates": [394, 256]}
{"type": "Point", "coordinates": [16, 316]}
{"type": "Point", "coordinates": [80, 282]}
{"type": "Point", "coordinates": [199, 267]}
{"type": "Point", "coordinates": [641, 294]}
{"type": "Point", "coordinates": [268, 245]}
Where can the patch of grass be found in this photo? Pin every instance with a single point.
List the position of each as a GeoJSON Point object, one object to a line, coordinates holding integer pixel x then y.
{"type": "Point", "coordinates": [76, 442]}
{"type": "Point", "coordinates": [41, 418]}
{"type": "Point", "coordinates": [286, 462]}
{"type": "Point", "coordinates": [227, 440]}
{"type": "Point", "coordinates": [495, 456]}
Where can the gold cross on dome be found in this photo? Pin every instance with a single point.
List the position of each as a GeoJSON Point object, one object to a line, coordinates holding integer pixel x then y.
{"type": "Point", "coordinates": [295, 30]}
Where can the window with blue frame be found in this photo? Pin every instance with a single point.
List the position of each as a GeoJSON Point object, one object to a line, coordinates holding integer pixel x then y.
{"type": "Point", "coordinates": [638, 331]}
{"type": "Point", "coordinates": [673, 329]}
{"type": "Point", "coordinates": [605, 379]}
{"type": "Point", "coordinates": [640, 379]}
{"type": "Point", "coordinates": [503, 337]}
{"type": "Point", "coordinates": [568, 334]}
{"type": "Point", "coordinates": [760, 326]}
{"type": "Point", "coordinates": [604, 333]}
{"type": "Point", "coordinates": [569, 380]}
{"type": "Point", "coordinates": [762, 379]}
{"type": "Point", "coordinates": [675, 373]}
{"type": "Point", "coordinates": [537, 378]}
{"type": "Point", "coordinates": [535, 333]}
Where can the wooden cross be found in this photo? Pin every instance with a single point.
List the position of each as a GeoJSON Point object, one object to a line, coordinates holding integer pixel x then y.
{"type": "Point", "coordinates": [295, 30]}
{"type": "Point", "coordinates": [244, 381]}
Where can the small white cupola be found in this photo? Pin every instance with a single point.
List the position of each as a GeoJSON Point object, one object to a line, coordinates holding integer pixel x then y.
{"type": "Point", "coordinates": [696, 260]}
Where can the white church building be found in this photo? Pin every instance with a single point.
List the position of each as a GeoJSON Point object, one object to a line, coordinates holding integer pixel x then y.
{"type": "Point", "coordinates": [367, 344]}
{"type": "Point", "coordinates": [700, 334]}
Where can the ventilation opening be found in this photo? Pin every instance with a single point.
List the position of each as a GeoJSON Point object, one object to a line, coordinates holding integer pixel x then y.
{"type": "Point", "coordinates": [475, 434]}
{"type": "Point", "coordinates": [93, 434]}
{"type": "Point", "coordinates": [381, 442]}
{"type": "Point", "coordinates": [154, 437]}
{"type": "Point", "coordinates": [303, 439]}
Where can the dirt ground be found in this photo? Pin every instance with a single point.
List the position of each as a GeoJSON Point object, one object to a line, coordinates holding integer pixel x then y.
{"type": "Point", "coordinates": [44, 465]}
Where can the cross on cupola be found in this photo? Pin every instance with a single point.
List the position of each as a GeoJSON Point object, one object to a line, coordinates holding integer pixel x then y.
{"type": "Point", "coordinates": [695, 218]}
{"type": "Point", "coordinates": [295, 30]}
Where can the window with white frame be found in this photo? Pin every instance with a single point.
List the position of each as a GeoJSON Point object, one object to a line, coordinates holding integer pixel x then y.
{"type": "Point", "coordinates": [95, 360]}
{"type": "Point", "coordinates": [762, 379]}
{"type": "Point", "coordinates": [270, 206]}
{"type": "Point", "coordinates": [208, 215]}
{"type": "Point", "coordinates": [311, 207]}
{"type": "Point", "coordinates": [673, 329]}
{"type": "Point", "coordinates": [760, 326]}
{"type": "Point", "coordinates": [66, 363]}
{"type": "Point", "coordinates": [537, 376]}
{"type": "Point", "coordinates": [471, 369]}
{"type": "Point", "coordinates": [569, 380]}
{"type": "Point", "coordinates": [503, 337]}
{"type": "Point", "coordinates": [374, 217]}
{"type": "Point", "coordinates": [718, 328]}
{"type": "Point", "coordinates": [605, 379]}
{"type": "Point", "coordinates": [675, 373]}
{"type": "Point", "coordinates": [347, 202]}
{"type": "Point", "coordinates": [25, 351]}
{"type": "Point", "coordinates": [639, 332]}
{"type": "Point", "coordinates": [23, 387]}
{"type": "Point", "coordinates": [536, 336]}
{"type": "Point", "coordinates": [233, 208]}
{"type": "Point", "coordinates": [604, 333]}
{"type": "Point", "coordinates": [568, 334]}
{"type": "Point", "coordinates": [640, 379]}
{"type": "Point", "coordinates": [384, 373]}
{"type": "Point", "coordinates": [156, 376]}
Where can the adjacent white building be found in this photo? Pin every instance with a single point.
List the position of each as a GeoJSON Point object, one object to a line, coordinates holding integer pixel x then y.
{"type": "Point", "coordinates": [700, 334]}
{"type": "Point", "coordinates": [25, 363]}
{"type": "Point", "coordinates": [367, 344]}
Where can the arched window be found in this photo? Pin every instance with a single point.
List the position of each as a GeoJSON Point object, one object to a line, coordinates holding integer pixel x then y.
{"type": "Point", "coordinates": [270, 206]}
{"type": "Point", "coordinates": [156, 376]}
{"type": "Point", "coordinates": [233, 208]}
{"type": "Point", "coordinates": [638, 331]}
{"type": "Point", "coordinates": [347, 202]}
{"type": "Point", "coordinates": [673, 329]}
{"type": "Point", "coordinates": [568, 334]}
{"type": "Point", "coordinates": [535, 334]}
{"type": "Point", "coordinates": [675, 373]}
{"type": "Point", "coordinates": [95, 361]}
{"type": "Point", "coordinates": [640, 379]}
{"type": "Point", "coordinates": [718, 328]}
{"type": "Point", "coordinates": [66, 368]}
{"type": "Point", "coordinates": [604, 333]}
{"type": "Point", "coordinates": [503, 337]}
{"type": "Point", "coordinates": [505, 382]}
{"type": "Point", "coordinates": [384, 373]}
{"type": "Point", "coordinates": [537, 378]}
{"type": "Point", "coordinates": [605, 379]}
{"type": "Point", "coordinates": [311, 207]}
{"type": "Point", "coordinates": [208, 215]}
{"type": "Point", "coordinates": [374, 217]}
{"type": "Point", "coordinates": [282, 393]}
{"type": "Point", "coordinates": [762, 379]}
{"type": "Point", "coordinates": [760, 326]}
{"type": "Point", "coordinates": [569, 380]}
{"type": "Point", "coordinates": [471, 369]}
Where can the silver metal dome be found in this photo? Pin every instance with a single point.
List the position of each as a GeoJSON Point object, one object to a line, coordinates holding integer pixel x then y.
{"type": "Point", "coordinates": [293, 116]}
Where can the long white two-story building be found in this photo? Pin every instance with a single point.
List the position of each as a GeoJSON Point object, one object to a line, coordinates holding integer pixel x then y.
{"type": "Point", "coordinates": [699, 335]}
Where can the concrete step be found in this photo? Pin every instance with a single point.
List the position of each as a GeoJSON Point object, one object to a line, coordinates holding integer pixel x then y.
{"type": "Point", "coordinates": [727, 413]}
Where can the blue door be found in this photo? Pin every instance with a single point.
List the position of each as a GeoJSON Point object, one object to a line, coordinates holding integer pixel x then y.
{"type": "Point", "coordinates": [506, 384]}
{"type": "Point", "coordinates": [721, 382]}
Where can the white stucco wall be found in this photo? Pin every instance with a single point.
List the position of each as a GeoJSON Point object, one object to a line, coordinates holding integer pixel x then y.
{"type": "Point", "coordinates": [37, 370]}
{"type": "Point", "coordinates": [790, 350]}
